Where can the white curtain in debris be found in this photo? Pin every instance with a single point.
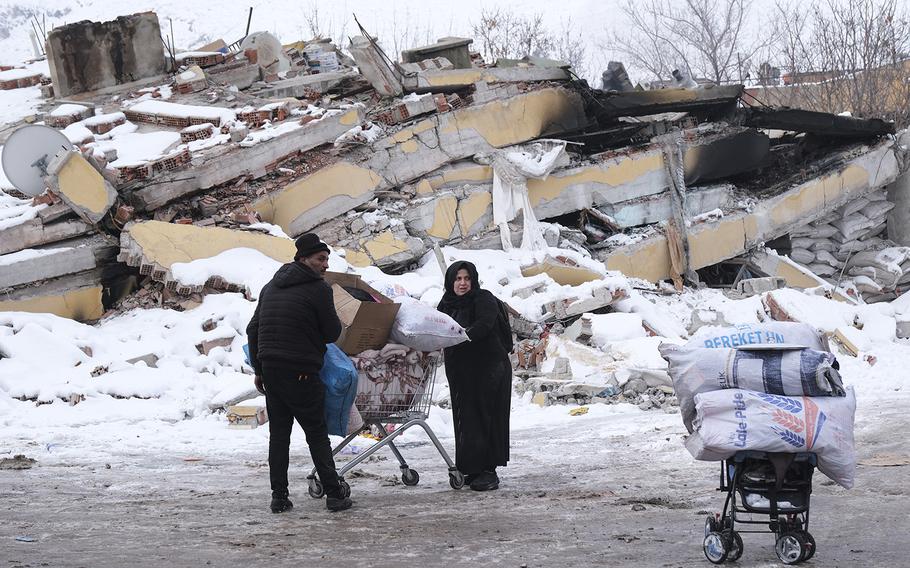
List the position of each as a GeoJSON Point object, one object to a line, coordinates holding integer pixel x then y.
{"type": "Point", "coordinates": [512, 168]}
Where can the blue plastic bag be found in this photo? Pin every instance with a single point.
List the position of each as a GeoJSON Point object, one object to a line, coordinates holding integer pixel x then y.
{"type": "Point", "coordinates": [340, 379]}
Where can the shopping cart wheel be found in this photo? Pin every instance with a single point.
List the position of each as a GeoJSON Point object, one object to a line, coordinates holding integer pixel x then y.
{"type": "Point", "coordinates": [790, 547]}
{"type": "Point", "coordinates": [715, 548]}
{"type": "Point", "coordinates": [345, 488]}
{"type": "Point", "coordinates": [315, 488]}
{"type": "Point", "coordinates": [456, 480]}
{"type": "Point", "coordinates": [810, 545]}
{"type": "Point", "coordinates": [734, 545]}
{"type": "Point", "coordinates": [410, 477]}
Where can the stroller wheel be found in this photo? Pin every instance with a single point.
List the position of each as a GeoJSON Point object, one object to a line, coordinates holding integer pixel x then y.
{"type": "Point", "coordinates": [711, 525]}
{"type": "Point", "coordinates": [810, 545]}
{"type": "Point", "coordinates": [734, 545]}
{"type": "Point", "coordinates": [456, 480]}
{"type": "Point", "coordinates": [790, 547]}
{"type": "Point", "coordinates": [715, 548]}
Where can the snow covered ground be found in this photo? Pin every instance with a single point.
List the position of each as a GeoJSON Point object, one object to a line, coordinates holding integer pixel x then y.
{"type": "Point", "coordinates": [147, 442]}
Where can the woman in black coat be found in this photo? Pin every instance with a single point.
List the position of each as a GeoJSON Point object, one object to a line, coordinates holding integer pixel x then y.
{"type": "Point", "coordinates": [480, 377]}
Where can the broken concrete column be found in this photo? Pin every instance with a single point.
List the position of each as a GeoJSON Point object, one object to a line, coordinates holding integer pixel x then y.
{"type": "Point", "coordinates": [710, 243]}
{"type": "Point", "coordinates": [222, 163]}
{"type": "Point", "coordinates": [80, 186]}
{"type": "Point", "coordinates": [154, 247]}
{"type": "Point", "coordinates": [375, 68]}
{"type": "Point", "coordinates": [87, 56]}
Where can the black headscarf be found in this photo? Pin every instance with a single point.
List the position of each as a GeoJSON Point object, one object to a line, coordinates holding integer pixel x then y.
{"type": "Point", "coordinates": [450, 300]}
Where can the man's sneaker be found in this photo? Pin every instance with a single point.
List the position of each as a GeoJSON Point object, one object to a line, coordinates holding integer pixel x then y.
{"type": "Point", "coordinates": [336, 504]}
{"type": "Point", "coordinates": [281, 503]}
{"type": "Point", "coordinates": [486, 481]}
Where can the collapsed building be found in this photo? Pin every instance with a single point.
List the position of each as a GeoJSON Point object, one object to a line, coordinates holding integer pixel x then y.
{"type": "Point", "coordinates": [181, 158]}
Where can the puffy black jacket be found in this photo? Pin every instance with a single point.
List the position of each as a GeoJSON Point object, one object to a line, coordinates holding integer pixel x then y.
{"type": "Point", "coordinates": [294, 320]}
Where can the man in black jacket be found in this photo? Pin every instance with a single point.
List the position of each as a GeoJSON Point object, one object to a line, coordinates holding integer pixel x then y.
{"type": "Point", "coordinates": [293, 322]}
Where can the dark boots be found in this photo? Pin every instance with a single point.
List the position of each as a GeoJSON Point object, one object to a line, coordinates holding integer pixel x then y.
{"type": "Point", "coordinates": [280, 502]}
{"type": "Point", "coordinates": [485, 481]}
{"type": "Point", "coordinates": [336, 504]}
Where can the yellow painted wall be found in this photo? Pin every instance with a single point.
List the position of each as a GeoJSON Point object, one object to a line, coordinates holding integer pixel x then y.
{"type": "Point", "coordinates": [83, 304]}
{"type": "Point", "coordinates": [384, 245]}
{"type": "Point", "coordinates": [472, 208]}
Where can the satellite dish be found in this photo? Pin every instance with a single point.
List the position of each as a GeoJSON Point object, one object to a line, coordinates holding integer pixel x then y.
{"type": "Point", "coordinates": [27, 153]}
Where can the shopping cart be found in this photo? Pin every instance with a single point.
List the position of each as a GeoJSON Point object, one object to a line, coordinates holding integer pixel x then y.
{"type": "Point", "coordinates": [394, 401]}
{"type": "Point", "coordinates": [765, 484]}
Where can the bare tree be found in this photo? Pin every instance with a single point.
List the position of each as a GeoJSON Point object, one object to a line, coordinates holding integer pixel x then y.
{"type": "Point", "coordinates": [704, 37]}
{"type": "Point", "coordinates": [503, 34]}
{"type": "Point", "coordinates": [845, 55]}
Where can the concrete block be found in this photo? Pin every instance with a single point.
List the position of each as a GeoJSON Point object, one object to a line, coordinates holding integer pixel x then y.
{"type": "Point", "coordinates": [80, 186]}
{"type": "Point", "coordinates": [88, 56]}
{"type": "Point", "coordinates": [454, 49]}
{"type": "Point", "coordinates": [434, 218]}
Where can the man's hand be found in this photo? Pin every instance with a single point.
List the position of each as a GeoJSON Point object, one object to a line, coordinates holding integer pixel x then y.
{"type": "Point", "coordinates": [258, 383]}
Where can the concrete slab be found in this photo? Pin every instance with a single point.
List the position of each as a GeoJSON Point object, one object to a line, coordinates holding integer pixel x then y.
{"type": "Point", "coordinates": [35, 233]}
{"type": "Point", "coordinates": [226, 162]}
{"type": "Point", "coordinates": [36, 265]}
{"type": "Point", "coordinates": [304, 86]}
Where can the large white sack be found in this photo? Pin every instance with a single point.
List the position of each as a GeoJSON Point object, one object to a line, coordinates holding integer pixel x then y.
{"type": "Point", "coordinates": [802, 255]}
{"type": "Point", "coordinates": [773, 332]}
{"type": "Point", "coordinates": [768, 369]}
{"type": "Point", "coordinates": [822, 231]}
{"type": "Point", "coordinates": [424, 328]}
{"type": "Point", "coordinates": [732, 420]}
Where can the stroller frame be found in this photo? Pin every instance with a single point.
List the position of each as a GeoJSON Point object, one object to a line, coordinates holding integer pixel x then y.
{"type": "Point", "coordinates": [403, 415]}
{"type": "Point", "coordinates": [790, 484]}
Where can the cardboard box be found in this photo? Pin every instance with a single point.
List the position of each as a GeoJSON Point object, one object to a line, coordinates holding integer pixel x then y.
{"type": "Point", "coordinates": [365, 325]}
{"type": "Point", "coordinates": [246, 417]}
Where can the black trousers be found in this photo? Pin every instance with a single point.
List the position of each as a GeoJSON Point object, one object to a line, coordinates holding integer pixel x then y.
{"type": "Point", "coordinates": [290, 396]}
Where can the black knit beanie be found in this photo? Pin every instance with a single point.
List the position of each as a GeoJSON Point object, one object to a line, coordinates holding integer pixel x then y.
{"type": "Point", "coordinates": [308, 245]}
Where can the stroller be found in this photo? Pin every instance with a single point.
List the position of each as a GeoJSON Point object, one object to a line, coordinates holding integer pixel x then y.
{"type": "Point", "coordinates": [762, 483]}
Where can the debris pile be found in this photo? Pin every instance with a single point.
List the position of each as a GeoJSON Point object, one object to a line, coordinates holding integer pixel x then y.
{"type": "Point", "coordinates": [184, 158]}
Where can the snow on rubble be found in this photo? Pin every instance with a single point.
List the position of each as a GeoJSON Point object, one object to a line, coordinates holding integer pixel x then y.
{"type": "Point", "coordinates": [56, 374]}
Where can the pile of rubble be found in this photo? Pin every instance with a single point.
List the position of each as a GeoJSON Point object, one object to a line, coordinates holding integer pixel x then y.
{"type": "Point", "coordinates": [178, 158]}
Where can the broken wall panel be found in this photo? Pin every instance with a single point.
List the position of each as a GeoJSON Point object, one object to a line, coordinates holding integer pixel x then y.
{"type": "Point", "coordinates": [710, 243]}
{"type": "Point", "coordinates": [81, 186]}
{"type": "Point", "coordinates": [435, 81]}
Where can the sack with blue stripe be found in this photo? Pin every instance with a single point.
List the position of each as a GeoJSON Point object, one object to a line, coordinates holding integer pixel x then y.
{"type": "Point", "coordinates": [787, 370]}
